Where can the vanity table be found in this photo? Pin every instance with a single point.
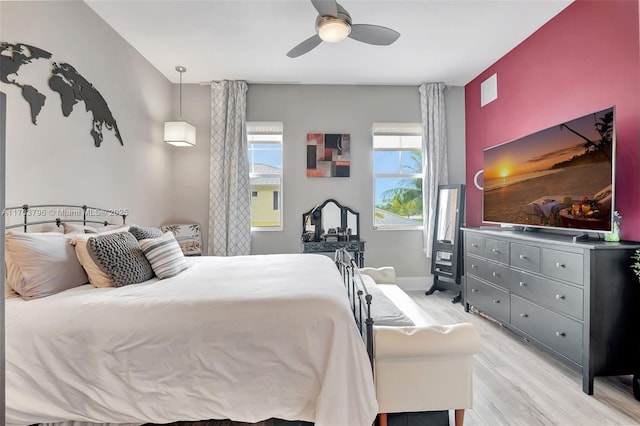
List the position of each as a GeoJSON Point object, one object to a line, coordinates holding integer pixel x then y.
{"type": "Point", "coordinates": [330, 226]}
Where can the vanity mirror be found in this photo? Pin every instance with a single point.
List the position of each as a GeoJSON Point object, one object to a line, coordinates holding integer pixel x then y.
{"type": "Point", "coordinates": [330, 226]}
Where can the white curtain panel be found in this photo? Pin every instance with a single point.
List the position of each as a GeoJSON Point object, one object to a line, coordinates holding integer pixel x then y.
{"type": "Point", "coordinates": [229, 186]}
{"type": "Point", "coordinates": [434, 147]}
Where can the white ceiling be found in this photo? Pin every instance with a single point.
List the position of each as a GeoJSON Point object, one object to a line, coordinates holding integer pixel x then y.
{"type": "Point", "coordinates": [448, 40]}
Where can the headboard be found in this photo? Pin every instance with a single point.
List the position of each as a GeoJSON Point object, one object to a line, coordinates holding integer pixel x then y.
{"type": "Point", "coordinates": [47, 214]}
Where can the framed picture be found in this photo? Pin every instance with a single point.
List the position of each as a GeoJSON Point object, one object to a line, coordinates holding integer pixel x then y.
{"type": "Point", "coordinates": [328, 155]}
{"type": "Point", "coordinates": [188, 237]}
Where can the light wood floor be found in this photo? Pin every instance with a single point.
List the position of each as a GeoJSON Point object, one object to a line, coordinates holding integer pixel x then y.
{"type": "Point", "coordinates": [517, 384]}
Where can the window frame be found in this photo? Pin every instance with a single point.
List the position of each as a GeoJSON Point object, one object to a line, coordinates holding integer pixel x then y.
{"type": "Point", "coordinates": [396, 129]}
{"type": "Point", "coordinates": [273, 133]}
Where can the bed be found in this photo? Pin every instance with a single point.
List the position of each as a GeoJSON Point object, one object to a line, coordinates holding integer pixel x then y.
{"type": "Point", "coordinates": [246, 338]}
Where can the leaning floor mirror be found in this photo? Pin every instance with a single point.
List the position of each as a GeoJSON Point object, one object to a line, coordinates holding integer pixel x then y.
{"type": "Point", "coordinates": [447, 248]}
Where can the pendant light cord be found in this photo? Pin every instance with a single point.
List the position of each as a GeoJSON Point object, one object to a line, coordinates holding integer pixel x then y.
{"type": "Point", "coordinates": [181, 95]}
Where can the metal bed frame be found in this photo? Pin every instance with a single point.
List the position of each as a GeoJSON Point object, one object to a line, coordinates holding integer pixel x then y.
{"type": "Point", "coordinates": [59, 213]}
{"type": "Point", "coordinates": [359, 297]}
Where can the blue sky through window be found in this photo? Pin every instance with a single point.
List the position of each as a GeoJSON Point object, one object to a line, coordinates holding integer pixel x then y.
{"type": "Point", "coordinates": [266, 153]}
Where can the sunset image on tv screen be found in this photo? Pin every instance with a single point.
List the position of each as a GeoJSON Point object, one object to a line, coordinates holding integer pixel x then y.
{"type": "Point", "coordinates": [558, 177]}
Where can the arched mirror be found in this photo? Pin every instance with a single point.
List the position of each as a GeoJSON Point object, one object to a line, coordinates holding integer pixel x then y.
{"type": "Point", "coordinates": [331, 219]}
{"type": "Point", "coordinates": [447, 249]}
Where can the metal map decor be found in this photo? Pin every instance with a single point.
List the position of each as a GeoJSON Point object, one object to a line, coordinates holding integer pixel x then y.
{"type": "Point", "coordinates": [64, 79]}
{"type": "Point", "coordinates": [328, 155]}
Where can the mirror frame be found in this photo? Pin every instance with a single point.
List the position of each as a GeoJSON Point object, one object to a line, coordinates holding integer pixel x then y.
{"type": "Point", "coordinates": [316, 219]}
{"type": "Point", "coordinates": [455, 247]}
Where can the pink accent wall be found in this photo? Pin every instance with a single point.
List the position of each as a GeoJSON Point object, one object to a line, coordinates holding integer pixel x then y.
{"type": "Point", "coordinates": [585, 59]}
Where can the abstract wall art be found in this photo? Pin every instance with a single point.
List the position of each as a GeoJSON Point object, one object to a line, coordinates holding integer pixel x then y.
{"type": "Point", "coordinates": [328, 155]}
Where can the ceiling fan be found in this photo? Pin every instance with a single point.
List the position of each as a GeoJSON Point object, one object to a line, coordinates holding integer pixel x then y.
{"type": "Point", "coordinates": [333, 25]}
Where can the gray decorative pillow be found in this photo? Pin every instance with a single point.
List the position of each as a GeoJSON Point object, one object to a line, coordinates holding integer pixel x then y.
{"type": "Point", "coordinates": [145, 232]}
{"type": "Point", "coordinates": [119, 255]}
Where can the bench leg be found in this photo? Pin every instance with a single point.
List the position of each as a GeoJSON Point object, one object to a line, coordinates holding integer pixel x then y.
{"type": "Point", "coordinates": [459, 417]}
{"type": "Point", "coordinates": [382, 419]}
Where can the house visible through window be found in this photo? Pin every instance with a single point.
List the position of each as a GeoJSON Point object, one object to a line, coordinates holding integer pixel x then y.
{"type": "Point", "coordinates": [265, 163]}
{"type": "Point", "coordinates": [397, 175]}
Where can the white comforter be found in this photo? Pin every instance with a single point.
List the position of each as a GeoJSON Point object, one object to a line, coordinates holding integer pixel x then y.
{"type": "Point", "coordinates": [246, 338]}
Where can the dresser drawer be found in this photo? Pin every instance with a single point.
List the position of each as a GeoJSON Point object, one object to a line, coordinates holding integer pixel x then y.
{"type": "Point", "coordinates": [552, 294]}
{"type": "Point", "coordinates": [497, 250]}
{"type": "Point", "coordinates": [493, 272]}
{"type": "Point", "coordinates": [563, 265]}
{"type": "Point", "coordinates": [474, 244]}
{"type": "Point", "coordinates": [525, 257]}
{"type": "Point", "coordinates": [487, 298]}
{"type": "Point", "coordinates": [556, 331]}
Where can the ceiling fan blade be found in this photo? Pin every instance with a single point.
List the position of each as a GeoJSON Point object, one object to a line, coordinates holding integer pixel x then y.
{"type": "Point", "coordinates": [373, 34]}
{"type": "Point", "coordinates": [326, 7]}
{"type": "Point", "coordinates": [305, 46]}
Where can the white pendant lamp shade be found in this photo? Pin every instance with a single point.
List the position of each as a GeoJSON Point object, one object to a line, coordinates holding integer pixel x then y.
{"type": "Point", "coordinates": [180, 133]}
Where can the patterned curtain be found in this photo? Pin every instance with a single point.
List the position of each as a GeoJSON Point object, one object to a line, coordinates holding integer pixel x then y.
{"type": "Point", "coordinates": [434, 146]}
{"type": "Point", "coordinates": [229, 187]}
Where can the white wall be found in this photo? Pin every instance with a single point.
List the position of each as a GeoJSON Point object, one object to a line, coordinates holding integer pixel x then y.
{"type": "Point", "coordinates": [56, 160]}
{"type": "Point", "coordinates": [304, 109]}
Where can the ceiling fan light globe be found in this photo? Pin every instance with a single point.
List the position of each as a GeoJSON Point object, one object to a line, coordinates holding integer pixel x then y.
{"type": "Point", "coordinates": [333, 30]}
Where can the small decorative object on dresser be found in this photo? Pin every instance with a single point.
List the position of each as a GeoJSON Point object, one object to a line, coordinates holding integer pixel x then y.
{"type": "Point", "coordinates": [188, 236]}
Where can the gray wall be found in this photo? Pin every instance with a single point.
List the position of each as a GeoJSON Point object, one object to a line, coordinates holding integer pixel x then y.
{"type": "Point", "coordinates": [56, 160]}
{"type": "Point", "coordinates": [162, 184]}
{"type": "Point", "coordinates": [304, 109]}
{"type": "Point", "coordinates": [454, 109]}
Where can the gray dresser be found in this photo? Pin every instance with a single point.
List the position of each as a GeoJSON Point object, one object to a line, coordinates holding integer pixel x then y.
{"type": "Point", "coordinates": [578, 301]}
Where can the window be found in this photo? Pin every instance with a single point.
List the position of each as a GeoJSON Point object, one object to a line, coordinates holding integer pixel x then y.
{"type": "Point", "coordinates": [265, 172]}
{"type": "Point", "coordinates": [397, 175]}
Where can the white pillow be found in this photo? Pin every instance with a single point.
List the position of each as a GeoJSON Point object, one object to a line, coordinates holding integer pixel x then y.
{"type": "Point", "coordinates": [40, 264]}
{"type": "Point", "coordinates": [76, 228]}
{"type": "Point", "coordinates": [164, 254]}
{"type": "Point", "coordinates": [97, 277]}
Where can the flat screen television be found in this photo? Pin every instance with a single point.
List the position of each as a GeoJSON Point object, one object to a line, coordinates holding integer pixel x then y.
{"type": "Point", "coordinates": [559, 178]}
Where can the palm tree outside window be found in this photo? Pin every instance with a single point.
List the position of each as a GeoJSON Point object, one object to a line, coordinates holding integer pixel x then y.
{"type": "Point", "coordinates": [397, 175]}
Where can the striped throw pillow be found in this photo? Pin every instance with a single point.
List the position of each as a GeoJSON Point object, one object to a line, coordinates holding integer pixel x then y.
{"type": "Point", "coordinates": [164, 255]}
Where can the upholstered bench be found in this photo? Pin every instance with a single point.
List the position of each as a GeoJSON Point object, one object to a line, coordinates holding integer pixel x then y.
{"type": "Point", "coordinates": [421, 367]}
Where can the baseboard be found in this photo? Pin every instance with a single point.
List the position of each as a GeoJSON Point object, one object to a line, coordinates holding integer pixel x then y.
{"type": "Point", "coordinates": [415, 283]}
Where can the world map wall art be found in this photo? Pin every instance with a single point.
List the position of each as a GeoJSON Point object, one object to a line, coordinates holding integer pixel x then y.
{"type": "Point", "coordinates": [328, 155]}
{"type": "Point", "coordinates": [62, 78]}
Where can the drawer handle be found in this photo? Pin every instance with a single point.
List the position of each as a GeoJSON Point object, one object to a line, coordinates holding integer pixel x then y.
{"type": "Point", "coordinates": [523, 257]}
{"type": "Point", "coordinates": [524, 315]}
{"type": "Point", "coordinates": [495, 250]}
{"type": "Point", "coordinates": [496, 300]}
{"type": "Point", "coordinates": [474, 290]}
{"type": "Point", "coordinates": [522, 284]}
{"type": "Point", "coordinates": [473, 266]}
{"type": "Point", "coordinates": [560, 265]}
{"type": "Point", "coordinates": [495, 274]}
{"type": "Point", "coordinates": [474, 245]}
{"type": "Point", "coordinates": [560, 333]}
{"type": "Point", "coordinates": [560, 296]}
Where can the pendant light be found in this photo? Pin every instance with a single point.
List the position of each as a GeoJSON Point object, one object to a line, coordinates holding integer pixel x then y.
{"type": "Point", "coordinates": [180, 133]}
